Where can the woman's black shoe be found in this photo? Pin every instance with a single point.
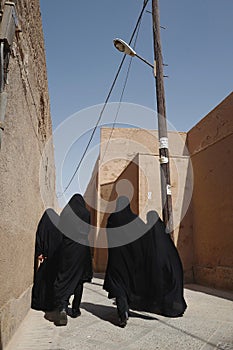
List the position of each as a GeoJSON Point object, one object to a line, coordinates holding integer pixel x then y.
{"type": "Point", "coordinates": [75, 313]}
{"type": "Point", "coordinates": [62, 318]}
{"type": "Point", "coordinates": [123, 320]}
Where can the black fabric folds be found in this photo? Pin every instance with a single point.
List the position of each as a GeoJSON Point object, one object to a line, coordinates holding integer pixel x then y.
{"type": "Point", "coordinates": [48, 242]}
{"type": "Point", "coordinates": [164, 266]}
{"type": "Point", "coordinates": [75, 262]}
{"type": "Point", "coordinates": [148, 271]}
{"type": "Point", "coordinates": [124, 274]}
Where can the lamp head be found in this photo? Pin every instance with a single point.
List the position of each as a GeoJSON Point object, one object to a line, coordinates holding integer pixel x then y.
{"type": "Point", "coordinates": [122, 46]}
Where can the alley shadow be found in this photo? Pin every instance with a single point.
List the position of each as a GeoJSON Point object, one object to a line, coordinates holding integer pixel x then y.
{"type": "Point", "coordinates": [210, 291]}
{"type": "Point", "coordinates": [109, 313]}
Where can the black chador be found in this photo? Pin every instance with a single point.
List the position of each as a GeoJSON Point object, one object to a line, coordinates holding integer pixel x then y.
{"type": "Point", "coordinates": [124, 275]}
{"type": "Point", "coordinates": [47, 245]}
{"type": "Point", "coordinates": [75, 262]}
{"type": "Point", "coordinates": [164, 270]}
{"type": "Point", "coordinates": [144, 270]}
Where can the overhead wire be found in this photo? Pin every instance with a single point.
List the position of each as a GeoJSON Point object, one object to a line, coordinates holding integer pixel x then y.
{"type": "Point", "coordinates": [94, 129]}
{"type": "Point", "coordinates": [106, 101]}
{"type": "Point", "coordinates": [121, 97]}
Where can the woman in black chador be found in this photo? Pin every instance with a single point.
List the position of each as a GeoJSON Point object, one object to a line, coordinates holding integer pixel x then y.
{"type": "Point", "coordinates": [144, 270]}
{"type": "Point", "coordinates": [163, 265]}
{"type": "Point", "coordinates": [47, 245]}
{"type": "Point", "coordinates": [124, 276]}
{"type": "Point", "coordinates": [75, 266]}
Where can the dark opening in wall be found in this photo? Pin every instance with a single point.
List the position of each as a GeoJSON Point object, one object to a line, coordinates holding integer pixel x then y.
{"type": "Point", "coordinates": [42, 118]}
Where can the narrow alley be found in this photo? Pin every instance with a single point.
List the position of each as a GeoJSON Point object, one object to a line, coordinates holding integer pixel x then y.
{"type": "Point", "coordinates": [207, 324]}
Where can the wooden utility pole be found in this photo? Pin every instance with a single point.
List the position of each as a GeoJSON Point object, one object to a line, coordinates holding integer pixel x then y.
{"type": "Point", "coordinates": [162, 123]}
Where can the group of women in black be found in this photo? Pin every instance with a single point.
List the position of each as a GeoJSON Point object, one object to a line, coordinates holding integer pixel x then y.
{"type": "Point", "coordinates": [144, 271]}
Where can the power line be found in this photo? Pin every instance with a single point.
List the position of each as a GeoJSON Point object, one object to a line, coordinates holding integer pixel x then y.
{"type": "Point", "coordinates": [122, 94]}
{"type": "Point", "coordinates": [94, 130]}
{"type": "Point", "coordinates": [106, 101]}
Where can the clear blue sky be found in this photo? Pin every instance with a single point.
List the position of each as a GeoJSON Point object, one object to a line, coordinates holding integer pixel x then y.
{"type": "Point", "coordinates": [82, 61]}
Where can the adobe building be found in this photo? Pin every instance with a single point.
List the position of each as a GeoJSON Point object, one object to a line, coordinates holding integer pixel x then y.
{"type": "Point", "coordinates": [25, 128]}
{"type": "Point", "coordinates": [129, 164]}
{"type": "Point", "coordinates": [202, 191]}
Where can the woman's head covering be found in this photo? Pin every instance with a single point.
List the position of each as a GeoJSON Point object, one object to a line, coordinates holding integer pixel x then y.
{"type": "Point", "coordinates": [76, 207]}
{"type": "Point", "coordinates": [77, 201]}
{"type": "Point", "coordinates": [123, 225]}
{"type": "Point", "coordinates": [47, 233]}
{"type": "Point", "coordinates": [122, 203]}
{"type": "Point", "coordinates": [152, 217]}
{"type": "Point", "coordinates": [123, 213]}
{"type": "Point", "coordinates": [75, 218]}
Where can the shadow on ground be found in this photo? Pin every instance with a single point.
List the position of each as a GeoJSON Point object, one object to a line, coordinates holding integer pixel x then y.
{"type": "Point", "coordinates": [109, 313]}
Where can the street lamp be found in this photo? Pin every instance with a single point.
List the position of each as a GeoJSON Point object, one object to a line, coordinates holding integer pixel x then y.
{"type": "Point", "coordinates": [122, 46]}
